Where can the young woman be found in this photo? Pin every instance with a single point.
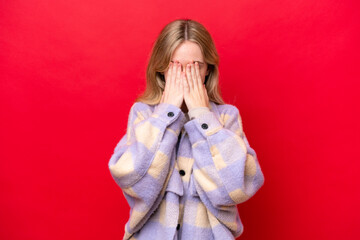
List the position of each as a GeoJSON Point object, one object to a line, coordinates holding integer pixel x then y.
{"type": "Point", "coordinates": [185, 162]}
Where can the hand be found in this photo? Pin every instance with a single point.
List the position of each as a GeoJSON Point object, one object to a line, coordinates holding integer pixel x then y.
{"type": "Point", "coordinates": [195, 94]}
{"type": "Point", "coordinates": [174, 90]}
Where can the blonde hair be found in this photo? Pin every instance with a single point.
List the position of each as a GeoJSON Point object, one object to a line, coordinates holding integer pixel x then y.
{"type": "Point", "coordinates": [170, 37]}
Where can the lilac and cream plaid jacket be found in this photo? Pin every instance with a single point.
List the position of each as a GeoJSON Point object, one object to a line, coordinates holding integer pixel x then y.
{"type": "Point", "coordinates": [183, 174]}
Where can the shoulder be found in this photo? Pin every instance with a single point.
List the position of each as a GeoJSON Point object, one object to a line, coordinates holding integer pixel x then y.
{"type": "Point", "coordinates": [227, 109]}
{"type": "Point", "coordinates": [230, 117]}
{"type": "Point", "coordinates": [141, 108]}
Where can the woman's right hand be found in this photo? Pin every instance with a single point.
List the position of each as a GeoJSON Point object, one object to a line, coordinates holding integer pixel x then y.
{"type": "Point", "coordinates": [174, 90]}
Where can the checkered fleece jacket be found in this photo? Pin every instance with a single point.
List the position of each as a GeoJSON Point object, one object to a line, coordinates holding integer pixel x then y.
{"type": "Point", "coordinates": [183, 177]}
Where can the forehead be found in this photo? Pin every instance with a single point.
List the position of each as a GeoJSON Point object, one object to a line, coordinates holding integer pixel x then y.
{"type": "Point", "coordinates": [188, 51]}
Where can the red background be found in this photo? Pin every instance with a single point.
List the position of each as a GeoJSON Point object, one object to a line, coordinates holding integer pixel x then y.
{"type": "Point", "coordinates": [70, 70]}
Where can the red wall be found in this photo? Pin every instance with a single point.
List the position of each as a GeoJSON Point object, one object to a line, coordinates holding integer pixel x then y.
{"type": "Point", "coordinates": [70, 70]}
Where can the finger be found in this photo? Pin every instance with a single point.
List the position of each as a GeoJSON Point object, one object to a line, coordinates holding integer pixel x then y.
{"type": "Point", "coordinates": [185, 84]}
{"type": "Point", "coordinates": [169, 70]}
{"type": "Point", "coordinates": [173, 72]}
{"type": "Point", "coordinates": [188, 77]}
{"type": "Point", "coordinates": [193, 76]}
{"type": "Point", "coordinates": [205, 93]}
{"type": "Point", "coordinates": [197, 73]}
{"type": "Point", "coordinates": [182, 80]}
{"type": "Point", "coordinates": [201, 85]}
{"type": "Point", "coordinates": [178, 75]}
{"type": "Point", "coordinates": [167, 80]}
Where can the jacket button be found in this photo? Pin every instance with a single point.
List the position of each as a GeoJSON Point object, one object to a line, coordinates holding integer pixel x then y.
{"type": "Point", "coordinates": [170, 114]}
{"type": "Point", "coordinates": [178, 227]}
{"type": "Point", "coordinates": [204, 126]}
{"type": "Point", "coordinates": [182, 172]}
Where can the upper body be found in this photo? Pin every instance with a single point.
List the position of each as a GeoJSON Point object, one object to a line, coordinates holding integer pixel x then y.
{"type": "Point", "coordinates": [183, 174]}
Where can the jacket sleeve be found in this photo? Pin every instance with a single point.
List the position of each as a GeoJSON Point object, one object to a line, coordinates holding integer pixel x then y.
{"type": "Point", "coordinates": [226, 169]}
{"type": "Point", "coordinates": [140, 162]}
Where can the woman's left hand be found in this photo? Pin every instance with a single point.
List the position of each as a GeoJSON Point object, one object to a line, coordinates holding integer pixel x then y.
{"type": "Point", "coordinates": [195, 94]}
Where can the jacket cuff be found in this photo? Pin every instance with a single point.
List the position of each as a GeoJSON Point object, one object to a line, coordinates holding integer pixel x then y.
{"type": "Point", "coordinates": [169, 114]}
{"type": "Point", "coordinates": [203, 126]}
{"type": "Point", "coordinates": [195, 112]}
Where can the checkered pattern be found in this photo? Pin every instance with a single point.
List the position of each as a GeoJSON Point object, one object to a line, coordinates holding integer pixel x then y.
{"type": "Point", "coordinates": [219, 171]}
